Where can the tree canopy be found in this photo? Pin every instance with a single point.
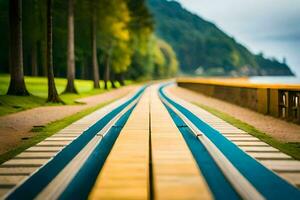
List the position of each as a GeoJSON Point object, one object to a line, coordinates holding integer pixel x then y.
{"type": "Point", "coordinates": [124, 37]}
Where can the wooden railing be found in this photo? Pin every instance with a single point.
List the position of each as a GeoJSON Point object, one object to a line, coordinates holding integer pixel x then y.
{"type": "Point", "coordinates": [277, 100]}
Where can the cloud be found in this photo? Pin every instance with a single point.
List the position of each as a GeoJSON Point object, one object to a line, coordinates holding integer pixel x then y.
{"type": "Point", "coordinates": [256, 24]}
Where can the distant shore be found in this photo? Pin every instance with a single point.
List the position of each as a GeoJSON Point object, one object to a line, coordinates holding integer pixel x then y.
{"type": "Point", "coordinates": [279, 82]}
{"type": "Point", "coordinates": [275, 79]}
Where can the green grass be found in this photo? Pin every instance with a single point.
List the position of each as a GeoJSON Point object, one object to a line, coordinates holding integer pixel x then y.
{"type": "Point", "coordinates": [37, 86]}
{"type": "Point", "coordinates": [290, 148]}
{"type": "Point", "coordinates": [42, 133]}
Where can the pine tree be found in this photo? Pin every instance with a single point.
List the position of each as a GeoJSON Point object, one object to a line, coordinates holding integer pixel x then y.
{"type": "Point", "coordinates": [17, 83]}
{"type": "Point", "coordinates": [52, 92]}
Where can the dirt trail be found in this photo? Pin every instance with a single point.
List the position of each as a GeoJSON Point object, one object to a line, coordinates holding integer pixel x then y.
{"type": "Point", "coordinates": [16, 126]}
{"type": "Point", "coordinates": [279, 129]}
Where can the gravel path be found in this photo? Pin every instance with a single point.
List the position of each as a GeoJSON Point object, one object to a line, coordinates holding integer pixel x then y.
{"type": "Point", "coordinates": [279, 129]}
{"type": "Point", "coordinates": [16, 126]}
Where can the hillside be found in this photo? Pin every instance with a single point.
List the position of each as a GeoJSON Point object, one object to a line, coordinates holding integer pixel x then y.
{"type": "Point", "coordinates": [202, 47]}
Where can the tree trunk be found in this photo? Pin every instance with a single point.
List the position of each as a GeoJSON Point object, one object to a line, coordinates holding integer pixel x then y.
{"type": "Point", "coordinates": [52, 92]}
{"type": "Point", "coordinates": [122, 81]}
{"type": "Point", "coordinates": [71, 51]}
{"type": "Point", "coordinates": [94, 49]}
{"type": "Point", "coordinates": [118, 78]}
{"type": "Point", "coordinates": [17, 83]}
{"type": "Point", "coordinates": [112, 79]}
{"type": "Point", "coordinates": [106, 72]}
{"type": "Point", "coordinates": [34, 69]}
{"type": "Point", "coordinates": [42, 56]}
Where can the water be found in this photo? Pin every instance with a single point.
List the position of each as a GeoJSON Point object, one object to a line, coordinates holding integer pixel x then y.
{"type": "Point", "coordinates": [275, 79]}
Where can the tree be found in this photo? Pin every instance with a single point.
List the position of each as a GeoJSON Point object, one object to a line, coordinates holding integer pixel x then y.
{"type": "Point", "coordinates": [71, 50]}
{"type": "Point", "coordinates": [106, 70]}
{"type": "Point", "coordinates": [141, 40]}
{"type": "Point", "coordinates": [170, 67]}
{"type": "Point", "coordinates": [112, 79]}
{"type": "Point", "coordinates": [17, 84]}
{"type": "Point", "coordinates": [94, 44]}
{"type": "Point", "coordinates": [52, 92]}
{"type": "Point", "coordinates": [114, 37]}
{"type": "Point", "coordinates": [31, 34]}
{"type": "Point", "coordinates": [111, 40]}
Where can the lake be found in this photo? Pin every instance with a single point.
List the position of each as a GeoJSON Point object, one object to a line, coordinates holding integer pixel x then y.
{"type": "Point", "coordinates": [275, 79]}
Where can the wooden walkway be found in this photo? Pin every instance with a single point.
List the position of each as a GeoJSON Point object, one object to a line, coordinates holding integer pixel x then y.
{"type": "Point", "coordinates": [126, 172]}
{"type": "Point", "coordinates": [150, 159]}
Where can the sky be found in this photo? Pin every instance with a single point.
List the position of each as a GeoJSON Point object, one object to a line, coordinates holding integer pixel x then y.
{"type": "Point", "coordinates": [268, 26]}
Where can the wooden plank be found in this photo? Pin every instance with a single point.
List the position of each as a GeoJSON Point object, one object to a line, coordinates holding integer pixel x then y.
{"type": "Point", "coordinates": [226, 128]}
{"type": "Point", "coordinates": [234, 135]}
{"type": "Point", "coordinates": [231, 131]}
{"type": "Point", "coordinates": [125, 174]}
{"type": "Point", "coordinates": [60, 139]}
{"type": "Point", "coordinates": [26, 155]}
{"type": "Point", "coordinates": [251, 143]}
{"type": "Point", "coordinates": [53, 143]}
{"type": "Point", "coordinates": [243, 139]}
{"type": "Point", "coordinates": [44, 149]}
{"type": "Point", "coordinates": [8, 180]}
{"type": "Point", "coordinates": [294, 178]}
{"type": "Point", "coordinates": [282, 165]}
{"type": "Point", "coordinates": [175, 173]}
{"type": "Point", "coordinates": [70, 132]}
{"type": "Point", "coordinates": [3, 191]}
{"type": "Point", "coordinates": [259, 149]}
{"type": "Point", "coordinates": [25, 162]}
{"type": "Point", "coordinates": [16, 170]}
{"type": "Point", "coordinates": [58, 135]}
{"type": "Point", "coordinates": [269, 155]}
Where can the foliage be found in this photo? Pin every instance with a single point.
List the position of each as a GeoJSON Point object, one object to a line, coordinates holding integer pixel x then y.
{"type": "Point", "coordinates": [124, 34]}
{"type": "Point", "coordinates": [272, 66]}
{"type": "Point", "coordinates": [170, 66]}
{"type": "Point", "coordinates": [114, 33]}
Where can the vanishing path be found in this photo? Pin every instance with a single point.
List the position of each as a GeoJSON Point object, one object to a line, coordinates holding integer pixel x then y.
{"type": "Point", "coordinates": [151, 145]}
{"type": "Point", "coordinates": [16, 126]}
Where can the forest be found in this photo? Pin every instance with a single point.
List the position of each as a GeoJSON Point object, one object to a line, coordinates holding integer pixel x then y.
{"type": "Point", "coordinates": [110, 41]}
{"type": "Point", "coordinates": [81, 39]}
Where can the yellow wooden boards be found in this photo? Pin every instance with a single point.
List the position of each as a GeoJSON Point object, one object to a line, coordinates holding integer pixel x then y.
{"type": "Point", "coordinates": [125, 174]}
{"type": "Point", "coordinates": [175, 173]}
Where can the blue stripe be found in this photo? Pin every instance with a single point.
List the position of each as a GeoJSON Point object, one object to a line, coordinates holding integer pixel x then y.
{"type": "Point", "coordinates": [265, 181]}
{"type": "Point", "coordinates": [32, 186]}
{"type": "Point", "coordinates": [217, 182]}
{"type": "Point", "coordinates": [82, 183]}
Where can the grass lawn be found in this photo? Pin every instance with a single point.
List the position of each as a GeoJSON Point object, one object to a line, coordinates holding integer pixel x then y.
{"type": "Point", "coordinates": [48, 130]}
{"type": "Point", "coordinates": [290, 148]}
{"type": "Point", "coordinates": [37, 86]}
